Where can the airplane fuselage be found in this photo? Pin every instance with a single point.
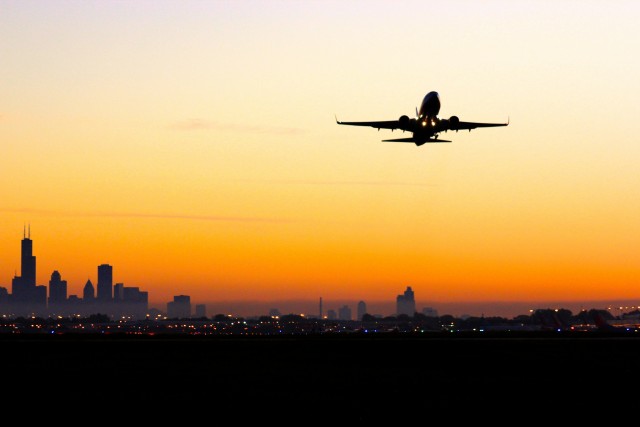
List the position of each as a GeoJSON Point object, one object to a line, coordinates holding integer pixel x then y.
{"type": "Point", "coordinates": [427, 124]}
{"type": "Point", "coordinates": [430, 106]}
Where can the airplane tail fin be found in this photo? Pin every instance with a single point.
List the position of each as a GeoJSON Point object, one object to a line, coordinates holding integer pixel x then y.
{"type": "Point", "coordinates": [601, 322]}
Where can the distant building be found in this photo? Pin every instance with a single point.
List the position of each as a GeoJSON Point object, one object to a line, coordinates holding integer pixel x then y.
{"type": "Point", "coordinates": [331, 314]}
{"type": "Point", "coordinates": [201, 310]}
{"type": "Point", "coordinates": [430, 312]}
{"type": "Point", "coordinates": [57, 289]}
{"type": "Point", "coordinates": [27, 265]}
{"type": "Point", "coordinates": [118, 292]}
{"type": "Point", "coordinates": [406, 303]}
{"type": "Point", "coordinates": [26, 297]}
{"type": "Point", "coordinates": [88, 292]}
{"type": "Point", "coordinates": [4, 299]}
{"type": "Point", "coordinates": [134, 302]}
{"type": "Point", "coordinates": [180, 307]}
{"type": "Point", "coordinates": [105, 283]}
{"type": "Point", "coordinates": [362, 310]}
{"type": "Point", "coordinates": [344, 313]}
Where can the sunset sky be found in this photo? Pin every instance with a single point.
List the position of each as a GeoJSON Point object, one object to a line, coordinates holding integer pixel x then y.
{"type": "Point", "coordinates": [193, 146]}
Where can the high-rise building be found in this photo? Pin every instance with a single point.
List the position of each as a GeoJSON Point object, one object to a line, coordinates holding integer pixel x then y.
{"type": "Point", "coordinates": [57, 289]}
{"type": "Point", "coordinates": [134, 294]}
{"type": "Point", "coordinates": [105, 283]}
{"type": "Point", "coordinates": [28, 261]}
{"type": "Point", "coordinates": [362, 309]}
{"type": "Point", "coordinates": [201, 310]}
{"type": "Point", "coordinates": [23, 287]}
{"type": "Point", "coordinates": [134, 302]}
{"type": "Point", "coordinates": [118, 292]}
{"type": "Point", "coordinates": [180, 307]}
{"type": "Point", "coordinates": [26, 297]}
{"type": "Point", "coordinates": [88, 292]}
{"type": "Point", "coordinates": [406, 303]}
{"type": "Point", "coordinates": [344, 313]}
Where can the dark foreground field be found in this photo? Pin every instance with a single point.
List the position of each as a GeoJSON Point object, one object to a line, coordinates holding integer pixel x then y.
{"type": "Point", "coordinates": [311, 379]}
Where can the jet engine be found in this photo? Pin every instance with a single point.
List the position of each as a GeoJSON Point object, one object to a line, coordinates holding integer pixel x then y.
{"type": "Point", "coordinates": [403, 121]}
{"type": "Point", "coordinates": [453, 122]}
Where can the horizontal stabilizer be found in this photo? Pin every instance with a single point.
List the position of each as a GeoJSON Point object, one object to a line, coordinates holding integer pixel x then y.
{"type": "Point", "coordinates": [419, 142]}
{"type": "Point", "coordinates": [399, 140]}
{"type": "Point", "coordinates": [435, 140]}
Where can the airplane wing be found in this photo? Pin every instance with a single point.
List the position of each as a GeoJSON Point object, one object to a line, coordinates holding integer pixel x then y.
{"type": "Point", "coordinates": [473, 125]}
{"type": "Point", "coordinates": [388, 124]}
{"type": "Point", "coordinates": [395, 124]}
{"type": "Point", "coordinates": [421, 134]}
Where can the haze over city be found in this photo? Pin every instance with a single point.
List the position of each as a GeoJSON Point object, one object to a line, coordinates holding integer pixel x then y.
{"type": "Point", "coordinates": [193, 146]}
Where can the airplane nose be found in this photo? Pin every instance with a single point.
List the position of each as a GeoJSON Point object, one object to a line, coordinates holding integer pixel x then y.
{"type": "Point", "coordinates": [430, 104]}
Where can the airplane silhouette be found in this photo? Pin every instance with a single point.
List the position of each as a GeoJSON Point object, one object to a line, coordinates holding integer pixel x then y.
{"type": "Point", "coordinates": [603, 325]}
{"type": "Point", "coordinates": [426, 127]}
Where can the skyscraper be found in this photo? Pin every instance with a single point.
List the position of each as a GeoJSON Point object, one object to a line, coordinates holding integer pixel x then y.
{"type": "Point", "coordinates": [57, 289]}
{"type": "Point", "coordinates": [88, 292]}
{"type": "Point", "coordinates": [405, 303]}
{"type": "Point", "coordinates": [362, 309]}
{"type": "Point", "coordinates": [344, 313]}
{"type": "Point", "coordinates": [105, 283]}
{"type": "Point", "coordinates": [28, 261]}
{"type": "Point", "coordinates": [29, 298]}
{"type": "Point", "coordinates": [118, 292]}
{"type": "Point", "coordinates": [180, 307]}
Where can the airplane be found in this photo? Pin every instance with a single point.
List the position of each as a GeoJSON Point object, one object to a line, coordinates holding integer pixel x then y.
{"type": "Point", "coordinates": [603, 325]}
{"type": "Point", "coordinates": [427, 126]}
{"type": "Point", "coordinates": [552, 320]}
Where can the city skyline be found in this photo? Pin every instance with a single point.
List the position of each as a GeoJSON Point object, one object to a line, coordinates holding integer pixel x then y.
{"type": "Point", "coordinates": [26, 296]}
{"type": "Point", "coordinates": [194, 147]}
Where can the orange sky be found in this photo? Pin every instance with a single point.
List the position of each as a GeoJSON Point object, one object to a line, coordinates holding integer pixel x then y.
{"type": "Point", "coordinates": [193, 146]}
